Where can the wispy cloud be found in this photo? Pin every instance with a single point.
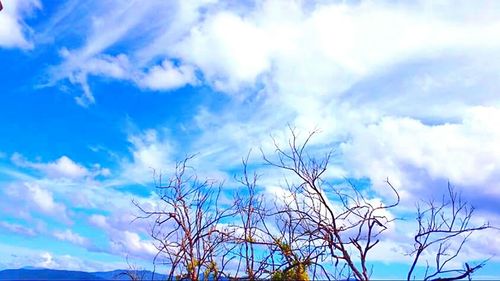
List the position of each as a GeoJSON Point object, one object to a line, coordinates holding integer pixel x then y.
{"type": "Point", "coordinates": [18, 229]}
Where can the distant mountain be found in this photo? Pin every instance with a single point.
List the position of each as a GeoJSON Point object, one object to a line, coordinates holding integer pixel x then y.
{"type": "Point", "coordinates": [52, 274]}
{"type": "Point", "coordinates": [46, 274]}
{"type": "Point", "coordinates": [32, 267]}
{"type": "Point", "coordinates": [117, 275]}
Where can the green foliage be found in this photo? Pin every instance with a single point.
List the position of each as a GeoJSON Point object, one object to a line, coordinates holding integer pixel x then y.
{"type": "Point", "coordinates": [250, 239]}
{"type": "Point", "coordinates": [191, 267]}
{"type": "Point", "coordinates": [211, 271]}
{"type": "Point", "coordinates": [297, 272]}
{"type": "Point", "coordinates": [285, 249]}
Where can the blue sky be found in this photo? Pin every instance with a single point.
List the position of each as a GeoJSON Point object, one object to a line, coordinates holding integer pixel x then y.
{"type": "Point", "coordinates": [95, 94]}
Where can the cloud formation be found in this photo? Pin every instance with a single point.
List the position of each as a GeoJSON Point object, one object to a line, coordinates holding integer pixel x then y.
{"type": "Point", "coordinates": [18, 229]}
{"type": "Point", "coordinates": [414, 154]}
{"type": "Point", "coordinates": [70, 236]}
{"type": "Point", "coordinates": [401, 90]}
{"type": "Point", "coordinates": [326, 46]}
{"type": "Point", "coordinates": [14, 32]}
{"type": "Point", "coordinates": [62, 167]}
{"type": "Point", "coordinates": [373, 77]}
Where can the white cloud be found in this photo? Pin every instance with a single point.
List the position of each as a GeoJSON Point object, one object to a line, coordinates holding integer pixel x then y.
{"type": "Point", "coordinates": [14, 32]}
{"type": "Point", "coordinates": [375, 76]}
{"type": "Point", "coordinates": [307, 57]}
{"type": "Point", "coordinates": [307, 49]}
{"type": "Point", "coordinates": [70, 236]}
{"type": "Point", "coordinates": [130, 243]}
{"type": "Point", "coordinates": [309, 62]}
{"type": "Point", "coordinates": [18, 229]}
{"type": "Point", "coordinates": [322, 50]}
{"type": "Point", "coordinates": [42, 198]}
{"type": "Point", "coordinates": [108, 24]}
{"type": "Point", "coordinates": [228, 49]}
{"type": "Point", "coordinates": [28, 197]}
{"type": "Point", "coordinates": [47, 261]}
{"type": "Point", "coordinates": [99, 221]}
{"type": "Point", "coordinates": [413, 154]}
{"type": "Point", "coordinates": [116, 67]}
{"type": "Point", "coordinates": [63, 167]}
{"type": "Point", "coordinates": [123, 237]}
{"type": "Point", "coordinates": [163, 77]}
{"type": "Point", "coordinates": [167, 76]}
{"type": "Point", "coordinates": [151, 152]}
{"type": "Point", "coordinates": [22, 256]}
{"type": "Point", "coordinates": [296, 49]}
{"type": "Point", "coordinates": [65, 262]}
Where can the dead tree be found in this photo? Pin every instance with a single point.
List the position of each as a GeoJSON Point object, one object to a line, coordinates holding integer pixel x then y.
{"type": "Point", "coordinates": [341, 224]}
{"type": "Point", "coordinates": [443, 229]}
{"type": "Point", "coordinates": [133, 273]}
{"type": "Point", "coordinates": [187, 225]}
{"type": "Point", "coordinates": [315, 230]}
{"type": "Point", "coordinates": [268, 244]}
{"type": "Point", "coordinates": [251, 212]}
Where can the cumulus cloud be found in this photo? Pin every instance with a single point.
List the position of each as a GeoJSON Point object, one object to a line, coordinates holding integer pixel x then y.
{"type": "Point", "coordinates": [63, 167]}
{"type": "Point", "coordinates": [26, 198]}
{"type": "Point", "coordinates": [70, 236]}
{"type": "Point", "coordinates": [414, 154]}
{"type": "Point", "coordinates": [328, 45]}
{"type": "Point", "coordinates": [14, 32]}
{"type": "Point", "coordinates": [130, 243]}
{"type": "Point", "coordinates": [111, 66]}
{"type": "Point", "coordinates": [151, 152]}
{"type": "Point", "coordinates": [66, 262]}
{"type": "Point", "coordinates": [326, 65]}
{"type": "Point", "coordinates": [163, 77]}
{"type": "Point", "coordinates": [168, 77]}
{"type": "Point", "coordinates": [228, 49]}
{"type": "Point", "coordinates": [43, 199]}
{"type": "Point", "coordinates": [124, 239]}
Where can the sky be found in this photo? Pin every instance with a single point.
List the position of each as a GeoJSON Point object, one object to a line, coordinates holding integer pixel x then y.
{"type": "Point", "coordinates": [96, 95]}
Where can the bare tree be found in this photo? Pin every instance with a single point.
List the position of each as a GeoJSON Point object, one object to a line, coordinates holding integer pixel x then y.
{"type": "Point", "coordinates": [315, 230]}
{"type": "Point", "coordinates": [133, 273]}
{"type": "Point", "coordinates": [187, 225]}
{"type": "Point", "coordinates": [443, 228]}
{"type": "Point", "coordinates": [342, 224]}
{"type": "Point", "coordinates": [270, 229]}
{"type": "Point", "coordinates": [250, 209]}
